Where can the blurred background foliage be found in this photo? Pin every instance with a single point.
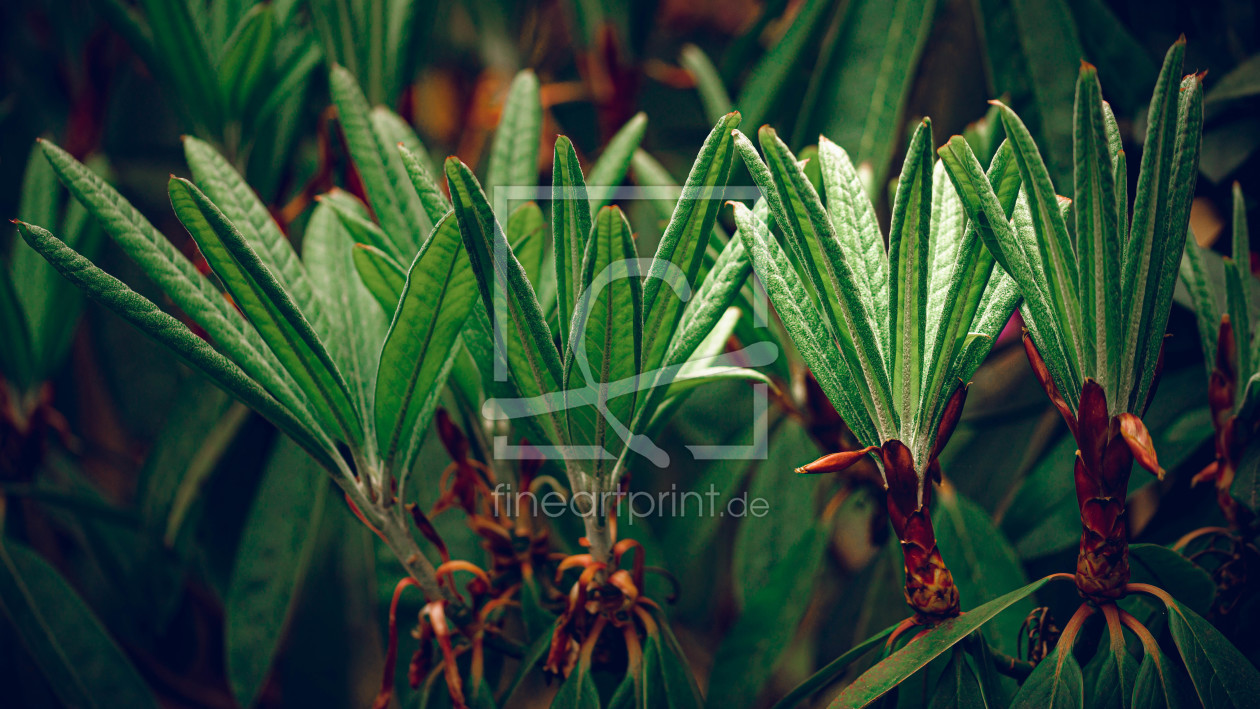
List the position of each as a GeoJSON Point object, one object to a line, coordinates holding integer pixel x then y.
{"type": "Point", "coordinates": [150, 517]}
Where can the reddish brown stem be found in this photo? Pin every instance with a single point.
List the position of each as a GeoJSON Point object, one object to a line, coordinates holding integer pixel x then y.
{"type": "Point", "coordinates": [1107, 446]}
{"type": "Point", "coordinates": [930, 588]}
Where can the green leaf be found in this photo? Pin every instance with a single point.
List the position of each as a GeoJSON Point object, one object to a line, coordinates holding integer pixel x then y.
{"type": "Point", "coordinates": [354, 218]}
{"type": "Point", "coordinates": [184, 58]}
{"type": "Point", "coordinates": [991, 201]}
{"type": "Point", "coordinates": [382, 275]}
{"type": "Point", "coordinates": [982, 561]}
{"type": "Point", "coordinates": [1170, 242]}
{"type": "Point", "coordinates": [397, 135]}
{"type": "Point", "coordinates": [246, 58]}
{"type": "Point", "coordinates": [216, 177]}
{"type": "Point", "coordinates": [804, 324]}
{"type": "Point", "coordinates": [831, 671]}
{"type": "Point", "coordinates": [277, 544]}
{"type": "Point", "coordinates": [1169, 570]}
{"type": "Point", "coordinates": [1098, 239]}
{"type": "Point", "coordinates": [745, 660]}
{"type": "Point", "coordinates": [895, 668]}
{"type": "Point", "coordinates": [269, 308]}
{"type": "Point", "coordinates": [957, 686]}
{"type": "Point", "coordinates": [1242, 256]}
{"type": "Point", "coordinates": [70, 646]}
{"type": "Point", "coordinates": [771, 73]}
{"type": "Point", "coordinates": [713, 96]}
{"type": "Point", "coordinates": [1053, 242]}
{"type": "Point", "coordinates": [141, 312]}
{"type": "Point", "coordinates": [418, 351]}
{"type": "Point", "coordinates": [1160, 684]}
{"type": "Point", "coordinates": [1150, 209]}
{"type": "Point", "coordinates": [680, 253]}
{"type": "Point", "coordinates": [175, 275]}
{"type": "Point", "coordinates": [394, 202]}
{"type": "Point", "coordinates": [435, 202]}
{"type": "Point", "coordinates": [677, 680]}
{"type": "Point", "coordinates": [578, 691]}
{"type": "Point", "coordinates": [796, 208]}
{"type": "Point", "coordinates": [16, 354]}
{"type": "Point", "coordinates": [1222, 676]}
{"type": "Point", "coordinates": [757, 556]}
{"type": "Point", "coordinates": [570, 230]}
{"type": "Point", "coordinates": [610, 169]}
{"type": "Point", "coordinates": [514, 152]}
{"type": "Point", "coordinates": [1056, 683]}
{"type": "Point", "coordinates": [525, 232]}
{"type": "Point", "coordinates": [1114, 672]}
{"type": "Point", "coordinates": [948, 228]}
{"type": "Point", "coordinates": [1207, 309]}
{"type": "Point", "coordinates": [908, 259]}
{"type": "Point", "coordinates": [1050, 50]}
{"type": "Point", "coordinates": [875, 55]}
{"type": "Point", "coordinates": [331, 262]}
{"type": "Point", "coordinates": [36, 293]}
{"type": "Point", "coordinates": [605, 340]}
{"type": "Point", "coordinates": [718, 290]}
{"type": "Point", "coordinates": [522, 344]}
{"type": "Point", "coordinates": [857, 229]}
{"type": "Point", "coordinates": [197, 429]}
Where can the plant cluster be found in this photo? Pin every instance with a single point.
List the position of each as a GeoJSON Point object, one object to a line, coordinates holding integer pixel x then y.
{"type": "Point", "coordinates": [449, 341]}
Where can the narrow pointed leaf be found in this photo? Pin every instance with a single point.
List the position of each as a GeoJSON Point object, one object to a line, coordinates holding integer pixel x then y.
{"type": "Point", "coordinates": [856, 227]}
{"type": "Point", "coordinates": [1207, 310]}
{"type": "Point", "coordinates": [796, 207]}
{"type": "Point", "coordinates": [522, 342]}
{"type": "Point", "coordinates": [713, 96]}
{"type": "Point", "coordinates": [605, 339]}
{"type": "Point", "coordinates": [894, 669]}
{"type": "Point", "coordinates": [216, 177]}
{"type": "Point", "coordinates": [397, 134]}
{"type": "Point", "coordinates": [70, 646]}
{"type": "Point", "coordinates": [277, 544]}
{"type": "Point", "coordinates": [570, 229]}
{"type": "Point", "coordinates": [246, 57]}
{"type": "Point", "coordinates": [355, 219]}
{"type": "Point", "coordinates": [514, 152]}
{"type": "Point", "coordinates": [875, 55]}
{"type": "Point", "coordinates": [682, 248]}
{"type": "Point", "coordinates": [394, 202]}
{"type": "Point", "coordinates": [991, 213]}
{"type": "Point", "coordinates": [1053, 242]}
{"type": "Point", "coordinates": [436, 298]}
{"type": "Point", "coordinates": [329, 254]}
{"type": "Point", "coordinates": [908, 261]}
{"type": "Point", "coordinates": [1150, 208]}
{"type": "Point", "coordinates": [1098, 238]}
{"type": "Point", "coordinates": [609, 171]}
{"type": "Point", "coordinates": [141, 312]}
{"type": "Point", "coordinates": [269, 308]}
{"type": "Point", "coordinates": [382, 275]}
{"type": "Point", "coordinates": [1170, 239]}
{"type": "Point", "coordinates": [176, 276]}
{"type": "Point", "coordinates": [716, 293]}
{"type": "Point", "coordinates": [435, 202]}
{"type": "Point", "coordinates": [804, 324]}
